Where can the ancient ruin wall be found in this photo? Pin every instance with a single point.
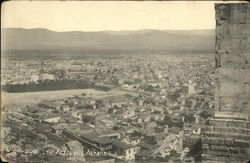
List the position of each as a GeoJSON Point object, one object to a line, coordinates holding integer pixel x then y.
{"type": "Point", "coordinates": [227, 136]}
{"type": "Point", "coordinates": [232, 57]}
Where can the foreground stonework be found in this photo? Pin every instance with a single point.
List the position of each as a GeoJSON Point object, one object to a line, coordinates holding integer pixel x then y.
{"type": "Point", "coordinates": [226, 137]}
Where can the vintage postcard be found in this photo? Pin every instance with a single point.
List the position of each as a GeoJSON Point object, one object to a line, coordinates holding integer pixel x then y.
{"type": "Point", "coordinates": [125, 81]}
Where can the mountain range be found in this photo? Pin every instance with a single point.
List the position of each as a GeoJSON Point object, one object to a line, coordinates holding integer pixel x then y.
{"type": "Point", "coordinates": [148, 39]}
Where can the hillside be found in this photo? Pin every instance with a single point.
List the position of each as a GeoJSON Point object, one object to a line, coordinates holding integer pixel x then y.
{"type": "Point", "coordinates": [43, 39]}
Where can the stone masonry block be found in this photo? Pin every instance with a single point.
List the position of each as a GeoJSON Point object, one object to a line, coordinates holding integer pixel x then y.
{"type": "Point", "coordinates": [235, 150]}
{"type": "Point", "coordinates": [233, 103]}
{"type": "Point", "coordinates": [205, 146]}
{"type": "Point", "coordinates": [238, 13]}
{"type": "Point", "coordinates": [245, 151]}
{"type": "Point", "coordinates": [233, 74]}
{"type": "Point", "coordinates": [236, 30]}
{"type": "Point", "coordinates": [228, 142]}
{"type": "Point", "coordinates": [219, 148]}
{"type": "Point", "coordinates": [228, 88]}
{"type": "Point", "coordinates": [243, 143]}
{"type": "Point", "coordinates": [209, 157]}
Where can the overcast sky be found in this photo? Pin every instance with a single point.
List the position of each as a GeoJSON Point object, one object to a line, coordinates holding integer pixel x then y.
{"type": "Point", "coordinates": [97, 16]}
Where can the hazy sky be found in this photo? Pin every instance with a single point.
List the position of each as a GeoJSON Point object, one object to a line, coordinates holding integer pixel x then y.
{"type": "Point", "coordinates": [96, 16]}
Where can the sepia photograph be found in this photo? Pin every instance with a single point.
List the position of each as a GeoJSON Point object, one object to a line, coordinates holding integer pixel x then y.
{"type": "Point", "coordinates": [125, 81]}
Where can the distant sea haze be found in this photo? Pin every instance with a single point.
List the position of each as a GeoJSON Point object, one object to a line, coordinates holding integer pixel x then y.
{"type": "Point", "coordinates": [197, 41]}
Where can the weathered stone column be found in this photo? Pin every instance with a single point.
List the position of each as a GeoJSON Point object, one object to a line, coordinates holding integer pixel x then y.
{"type": "Point", "coordinates": [227, 137]}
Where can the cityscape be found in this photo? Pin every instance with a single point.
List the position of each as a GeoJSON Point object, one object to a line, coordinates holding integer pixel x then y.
{"type": "Point", "coordinates": [87, 82]}
{"type": "Point", "coordinates": [133, 108]}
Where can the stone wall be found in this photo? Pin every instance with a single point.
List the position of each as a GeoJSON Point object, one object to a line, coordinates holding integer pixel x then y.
{"type": "Point", "coordinates": [232, 57]}
{"type": "Point", "coordinates": [227, 136]}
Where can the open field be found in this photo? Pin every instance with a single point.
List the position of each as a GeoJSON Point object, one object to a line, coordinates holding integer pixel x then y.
{"type": "Point", "coordinates": [20, 99]}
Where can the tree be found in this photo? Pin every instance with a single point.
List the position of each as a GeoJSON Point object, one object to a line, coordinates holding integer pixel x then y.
{"type": "Point", "coordinates": [116, 128]}
{"type": "Point", "coordinates": [110, 110]}
{"type": "Point", "coordinates": [189, 118]}
{"type": "Point", "coordinates": [151, 140]}
{"type": "Point", "coordinates": [136, 133]}
{"type": "Point", "coordinates": [174, 130]}
{"type": "Point", "coordinates": [205, 114]}
{"type": "Point", "coordinates": [173, 153]}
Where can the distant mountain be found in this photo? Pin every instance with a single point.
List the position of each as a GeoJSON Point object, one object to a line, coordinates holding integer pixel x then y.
{"type": "Point", "coordinates": [169, 40]}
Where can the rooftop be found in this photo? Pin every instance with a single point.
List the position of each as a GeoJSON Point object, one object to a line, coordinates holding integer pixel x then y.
{"type": "Point", "coordinates": [106, 131]}
{"type": "Point", "coordinates": [103, 140]}
{"type": "Point", "coordinates": [122, 145]}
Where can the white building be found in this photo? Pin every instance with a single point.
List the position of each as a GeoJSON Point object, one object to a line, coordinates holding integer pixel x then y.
{"type": "Point", "coordinates": [191, 87]}
{"type": "Point", "coordinates": [52, 119]}
{"type": "Point", "coordinates": [125, 151]}
{"type": "Point", "coordinates": [34, 78]}
{"type": "Point", "coordinates": [47, 76]}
